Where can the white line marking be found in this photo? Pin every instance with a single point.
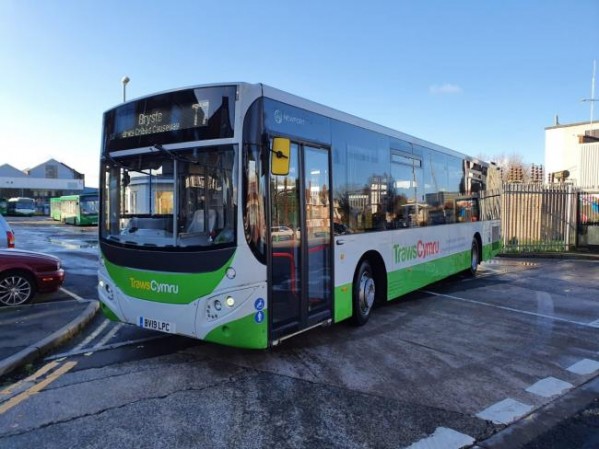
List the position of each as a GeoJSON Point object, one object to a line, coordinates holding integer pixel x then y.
{"type": "Point", "coordinates": [105, 348]}
{"type": "Point", "coordinates": [505, 412]}
{"type": "Point", "coordinates": [585, 366]}
{"type": "Point", "coordinates": [548, 387]}
{"type": "Point", "coordinates": [594, 323]}
{"type": "Point", "coordinates": [73, 295]}
{"type": "Point", "coordinates": [93, 335]}
{"type": "Point", "coordinates": [110, 334]}
{"type": "Point", "coordinates": [509, 309]}
{"type": "Point", "coordinates": [443, 438]}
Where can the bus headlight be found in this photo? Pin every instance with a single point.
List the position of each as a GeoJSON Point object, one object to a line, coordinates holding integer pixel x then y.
{"type": "Point", "coordinates": [107, 290]}
{"type": "Point", "coordinates": [215, 307]}
{"type": "Point", "coordinates": [231, 302]}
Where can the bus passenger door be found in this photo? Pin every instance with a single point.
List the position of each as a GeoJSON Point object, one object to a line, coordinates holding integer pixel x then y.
{"type": "Point", "coordinates": [301, 274]}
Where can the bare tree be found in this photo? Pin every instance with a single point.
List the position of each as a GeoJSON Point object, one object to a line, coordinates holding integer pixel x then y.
{"type": "Point", "coordinates": [513, 168]}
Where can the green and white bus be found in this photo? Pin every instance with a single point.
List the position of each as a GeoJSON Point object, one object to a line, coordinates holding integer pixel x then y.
{"type": "Point", "coordinates": [242, 215]}
{"type": "Point", "coordinates": [78, 210]}
{"type": "Point", "coordinates": [55, 212]}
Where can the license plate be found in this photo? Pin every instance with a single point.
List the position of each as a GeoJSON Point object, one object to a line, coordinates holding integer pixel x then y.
{"type": "Point", "coordinates": [156, 325]}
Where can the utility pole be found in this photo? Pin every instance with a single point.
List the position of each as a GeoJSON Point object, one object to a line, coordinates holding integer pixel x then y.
{"type": "Point", "coordinates": [592, 100]}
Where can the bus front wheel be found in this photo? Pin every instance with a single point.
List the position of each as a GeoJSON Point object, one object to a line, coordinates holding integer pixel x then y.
{"type": "Point", "coordinates": [364, 293]}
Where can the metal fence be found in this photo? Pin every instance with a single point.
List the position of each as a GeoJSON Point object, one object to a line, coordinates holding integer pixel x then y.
{"type": "Point", "coordinates": [587, 230]}
{"type": "Point", "coordinates": [539, 218]}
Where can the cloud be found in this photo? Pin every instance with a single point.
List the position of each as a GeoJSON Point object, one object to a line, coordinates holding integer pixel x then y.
{"type": "Point", "coordinates": [445, 89]}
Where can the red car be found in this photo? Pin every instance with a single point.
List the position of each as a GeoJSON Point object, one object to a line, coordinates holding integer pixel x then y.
{"type": "Point", "coordinates": [23, 273]}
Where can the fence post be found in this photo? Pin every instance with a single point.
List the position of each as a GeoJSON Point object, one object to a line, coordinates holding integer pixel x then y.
{"type": "Point", "coordinates": [568, 217]}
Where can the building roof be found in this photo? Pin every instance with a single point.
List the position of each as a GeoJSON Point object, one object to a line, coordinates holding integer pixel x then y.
{"type": "Point", "coordinates": [8, 171]}
{"type": "Point", "coordinates": [54, 161]}
{"type": "Point", "coordinates": [594, 125]}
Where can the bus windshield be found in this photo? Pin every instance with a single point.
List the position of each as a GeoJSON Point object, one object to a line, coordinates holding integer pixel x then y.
{"type": "Point", "coordinates": [170, 199]}
{"type": "Point", "coordinates": [89, 206]}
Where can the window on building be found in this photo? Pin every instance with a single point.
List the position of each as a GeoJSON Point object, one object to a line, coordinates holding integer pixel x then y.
{"type": "Point", "coordinates": [51, 171]}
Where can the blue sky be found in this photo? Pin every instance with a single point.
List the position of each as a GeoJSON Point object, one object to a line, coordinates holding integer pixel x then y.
{"type": "Point", "coordinates": [482, 77]}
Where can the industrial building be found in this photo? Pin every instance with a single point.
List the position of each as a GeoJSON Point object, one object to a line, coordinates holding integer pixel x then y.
{"type": "Point", "coordinates": [42, 182]}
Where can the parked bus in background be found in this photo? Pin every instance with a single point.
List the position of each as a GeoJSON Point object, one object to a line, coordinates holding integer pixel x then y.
{"type": "Point", "coordinates": [55, 213]}
{"type": "Point", "coordinates": [3, 206]}
{"type": "Point", "coordinates": [78, 210]}
{"type": "Point", "coordinates": [243, 215]}
{"type": "Point", "coordinates": [21, 206]}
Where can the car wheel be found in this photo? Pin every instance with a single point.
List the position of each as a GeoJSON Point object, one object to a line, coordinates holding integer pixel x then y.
{"type": "Point", "coordinates": [15, 289]}
{"type": "Point", "coordinates": [364, 293]}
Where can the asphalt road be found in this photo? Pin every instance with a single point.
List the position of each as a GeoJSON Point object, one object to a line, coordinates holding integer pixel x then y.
{"type": "Point", "coordinates": [503, 360]}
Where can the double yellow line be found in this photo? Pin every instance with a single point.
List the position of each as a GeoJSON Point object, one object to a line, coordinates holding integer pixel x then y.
{"type": "Point", "coordinates": [37, 387]}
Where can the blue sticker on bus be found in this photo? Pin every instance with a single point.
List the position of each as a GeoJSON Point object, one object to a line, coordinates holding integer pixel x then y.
{"type": "Point", "coordinates": [259, 317]}
{"type": "Point", "coordinates": [259, 304]}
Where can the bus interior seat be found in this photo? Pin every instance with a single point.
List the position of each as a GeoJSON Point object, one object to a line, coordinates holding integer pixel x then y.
{"type": "Point", "coordinates": [211, 220]}
{"type": "Point", "coordinates": [198, 224]}
{"type": "Point", "coordinates": [284, 271]}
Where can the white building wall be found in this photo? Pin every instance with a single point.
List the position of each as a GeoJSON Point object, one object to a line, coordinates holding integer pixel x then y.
{"type": "Point", "coordinates": [41, 183]}
{"type": "Point", "coordinates": [563, 151]}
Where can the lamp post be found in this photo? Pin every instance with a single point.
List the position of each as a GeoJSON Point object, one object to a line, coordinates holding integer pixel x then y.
{"type": "Point", "coordinates": [125, 80]}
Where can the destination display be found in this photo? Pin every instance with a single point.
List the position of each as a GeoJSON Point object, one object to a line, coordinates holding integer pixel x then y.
{"type": "Point", "coordinates": [163, 120]}
{"type": "Point", "coordinates": [194, 114]}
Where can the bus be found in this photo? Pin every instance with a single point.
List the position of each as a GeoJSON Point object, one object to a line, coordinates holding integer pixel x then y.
{"type": "Point", "coordinates": [55, 212]}
{"type": "Point", "coordinates": [3, 206]}
{"type": "Point", "coordinates": [78, 210]}
{"type": "Point", "coordinates": [20, 206]}
{"type": "Point", "coordinates": [243, 215]}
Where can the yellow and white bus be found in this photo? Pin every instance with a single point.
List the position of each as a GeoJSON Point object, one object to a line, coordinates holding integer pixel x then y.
{"type": "Point", "coordinates": [243, 215]}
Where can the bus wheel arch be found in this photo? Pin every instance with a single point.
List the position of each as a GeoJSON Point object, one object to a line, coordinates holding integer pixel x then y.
{"type": "Point", "coordinates": [369, 286]}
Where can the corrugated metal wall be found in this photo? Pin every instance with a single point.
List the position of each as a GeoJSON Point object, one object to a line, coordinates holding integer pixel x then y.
{"type": "Point", "coordinates": [589, 161]}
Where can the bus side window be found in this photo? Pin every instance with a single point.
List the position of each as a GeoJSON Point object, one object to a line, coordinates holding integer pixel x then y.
{"type": "Point", "coordinates": [467, 210]}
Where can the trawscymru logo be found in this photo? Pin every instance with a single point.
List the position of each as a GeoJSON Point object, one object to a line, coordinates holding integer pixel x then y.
{"type": "Point", "coordinates": [153, 286]}
{"type": "Point", "coordinates": [420, 250]}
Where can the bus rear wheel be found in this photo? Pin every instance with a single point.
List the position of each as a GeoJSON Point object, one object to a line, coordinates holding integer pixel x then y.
{"type": "Point", "coordinates": [364, 293]}
{"type": "Point", "coordinates": [474, 258]}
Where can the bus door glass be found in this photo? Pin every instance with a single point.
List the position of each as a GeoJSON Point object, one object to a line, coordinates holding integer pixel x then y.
{"type": "Point", "coordinates": [300, 259]}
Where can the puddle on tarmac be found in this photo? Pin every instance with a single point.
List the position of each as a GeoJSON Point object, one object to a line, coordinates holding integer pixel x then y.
{"type": "Point", "coordinates": [74, 244]}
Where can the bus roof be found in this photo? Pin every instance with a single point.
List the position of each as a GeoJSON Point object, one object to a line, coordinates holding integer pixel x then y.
{"type": "Point", "coordinates": [262, 90]}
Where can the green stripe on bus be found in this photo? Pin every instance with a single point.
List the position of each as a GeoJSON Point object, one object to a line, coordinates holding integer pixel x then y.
{"type": "Point", "coordinates": [412, 278]}
{"type": "Point", "coordinates": [167, 288]}
{"type": "Point", "coordinates": [343, 302]}
{"type": "Point", "coordinates": [407, 280]}
{"type": "Point", "coordinates": [108, 313]}
{"type": "Point", "coordinates": [491, 250]}
{"type": "Point", "coordinates": [243, 333]}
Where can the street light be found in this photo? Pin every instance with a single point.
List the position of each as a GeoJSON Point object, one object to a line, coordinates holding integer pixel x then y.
{"type": "Point", "coordinates": [125, 80]}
